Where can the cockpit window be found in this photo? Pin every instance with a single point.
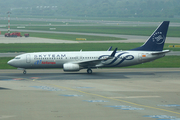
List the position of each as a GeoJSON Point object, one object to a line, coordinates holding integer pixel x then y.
{"type": "Point", "coordinates": [17, 58]}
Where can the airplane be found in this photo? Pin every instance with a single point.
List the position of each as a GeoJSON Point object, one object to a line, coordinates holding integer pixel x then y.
{"type": "Point", "coordinates": [75, 61]}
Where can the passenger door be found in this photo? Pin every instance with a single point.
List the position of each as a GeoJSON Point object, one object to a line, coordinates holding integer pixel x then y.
{"type": "Point", "coordinates": [28, 58]}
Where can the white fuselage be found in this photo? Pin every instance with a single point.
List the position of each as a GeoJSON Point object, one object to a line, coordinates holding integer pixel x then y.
{"type": "Point", "coordinates": [57, 59]}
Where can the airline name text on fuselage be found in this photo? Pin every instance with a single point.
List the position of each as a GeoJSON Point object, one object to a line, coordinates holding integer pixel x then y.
{"type": "Point", "coordinates": [50, 55]}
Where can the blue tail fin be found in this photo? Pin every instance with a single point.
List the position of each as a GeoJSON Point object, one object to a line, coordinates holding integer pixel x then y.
{"type": "Point", "coordinates": [156, 41]}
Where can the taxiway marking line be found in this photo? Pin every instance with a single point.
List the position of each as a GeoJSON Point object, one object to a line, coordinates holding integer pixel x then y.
{"type": "Point", "coordinates": [137, 97]}
{"type": "Point", "coordinates": [124, 101]}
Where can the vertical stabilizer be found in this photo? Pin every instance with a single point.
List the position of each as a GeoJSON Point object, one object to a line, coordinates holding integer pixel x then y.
{"type": "Point", "coordinates": [156, 41]}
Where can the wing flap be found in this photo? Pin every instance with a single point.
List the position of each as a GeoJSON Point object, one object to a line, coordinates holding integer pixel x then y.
{"type": "Point", "coordinates": [91, 63]}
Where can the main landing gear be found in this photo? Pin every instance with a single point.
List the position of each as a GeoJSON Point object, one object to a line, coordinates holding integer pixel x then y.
{"type": "Point", "coordinates": [89, 71]}
{"type": "Point", "coordinates": [24, 72]}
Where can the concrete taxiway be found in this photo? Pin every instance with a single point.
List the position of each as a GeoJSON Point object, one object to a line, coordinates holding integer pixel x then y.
{"type": "Point", "coordinates": [124, 94]}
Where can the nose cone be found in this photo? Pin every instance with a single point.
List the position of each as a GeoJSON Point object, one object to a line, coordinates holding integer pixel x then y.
{"type": "Point", "coordinates": [10, 62]}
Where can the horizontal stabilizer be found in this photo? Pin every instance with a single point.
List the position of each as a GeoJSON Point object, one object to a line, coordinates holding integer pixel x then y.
{"type": "Point", "coordinates": [162, 52]}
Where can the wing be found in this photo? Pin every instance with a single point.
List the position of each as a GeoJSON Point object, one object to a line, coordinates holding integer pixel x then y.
{"type": "Point", "coordinates": [90, 64]}
{"type": "Point", "coordinates": [96, 63]}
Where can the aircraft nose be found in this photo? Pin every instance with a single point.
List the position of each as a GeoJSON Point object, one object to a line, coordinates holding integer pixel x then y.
{"type": "Point", "coordinates": [10, 62]}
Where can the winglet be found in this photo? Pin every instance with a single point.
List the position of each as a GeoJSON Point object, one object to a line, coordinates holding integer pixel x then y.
{"type": "Point", "coordinates": [113, 54]}
{"type": "Point", "coordinates": [109, 49]}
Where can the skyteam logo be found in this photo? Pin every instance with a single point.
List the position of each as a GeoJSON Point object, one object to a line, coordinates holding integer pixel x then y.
{"type": "Point", "coordinates": [158, 38]}
{"type": "Point", "coordinates": [38, 62]}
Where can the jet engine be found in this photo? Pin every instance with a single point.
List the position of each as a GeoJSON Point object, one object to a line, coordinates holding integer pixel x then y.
{"type": "Point", "coordinates": [71, 67]}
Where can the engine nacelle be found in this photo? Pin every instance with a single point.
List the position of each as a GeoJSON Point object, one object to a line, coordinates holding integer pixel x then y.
{"type": "Point", "coordinates": [71, 67]}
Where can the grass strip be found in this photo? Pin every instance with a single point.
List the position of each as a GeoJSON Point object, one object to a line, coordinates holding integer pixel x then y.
{"type": "Point", "coordinates": [45, 47]}
{"type": "Point", "coordinates": [3, 63]}
{"type": "Point", "coordinates": [165, 62]}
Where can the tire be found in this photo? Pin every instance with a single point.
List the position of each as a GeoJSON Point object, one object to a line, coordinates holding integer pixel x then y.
{"type": "Point", "coordinates": [89, 71]}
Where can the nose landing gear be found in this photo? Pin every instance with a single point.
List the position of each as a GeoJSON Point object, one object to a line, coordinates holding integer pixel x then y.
{"type": "Point", "coordinates": [24, 70]}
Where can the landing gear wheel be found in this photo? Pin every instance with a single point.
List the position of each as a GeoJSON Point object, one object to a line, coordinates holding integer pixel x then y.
{"type": "Point", "coordinates": [89, 71]}
{"type": "Point", "coordinates": [24, 71]}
